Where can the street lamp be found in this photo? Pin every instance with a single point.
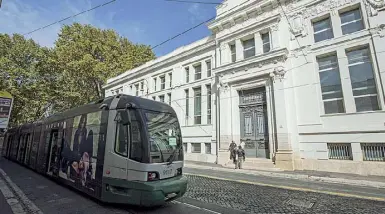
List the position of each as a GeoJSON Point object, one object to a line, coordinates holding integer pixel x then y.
{"type": "Point", "coordinates": [0, 3]}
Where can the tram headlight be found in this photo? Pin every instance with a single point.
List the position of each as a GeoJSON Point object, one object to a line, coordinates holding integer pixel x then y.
{"type": "Point", "coordinates": [151, 176]}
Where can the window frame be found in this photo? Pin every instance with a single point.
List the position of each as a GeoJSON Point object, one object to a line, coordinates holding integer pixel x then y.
{"type": "Point", "coordinates": [162, 83]}
{"type": "Point", "coordinates": [321, 19]}
{"type": "Point", "coordinates": [193, 150]}
{"type": "Point", "coordinates": [128, 127]}
{"type": "Point", "coordinates": [371, 61]}
{"type": "Point", "coordinates": [249, 48]}
{"type": "Point", "coordinates": [197, 75]}
{"type": "Point", "coordinates": [187, 74]}
{"type": "Point", "coordinates": [344, 11]}
{"type": "Point", "coordinates": [170, 79]}
{"type": "Point", "coordinates": [269, 41]}
{"type": "Point", "coordinates": [319, 71]}
{"type": "Point", "coordinates": [209, 106]}
{"type": "Point", "coordinates": [233, 52]}
{"type": "Point", "coordinates": [208, 72]}
{"type": "Point", "coordinates": [198, 116]}
{"type": "Point", "coordinates": [155, 82]}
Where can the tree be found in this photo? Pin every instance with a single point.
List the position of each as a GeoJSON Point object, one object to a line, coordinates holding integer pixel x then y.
{"type": "Point", "coordinates": [21, 75]}
{"type": "Point", "coordinates": [87, 56]}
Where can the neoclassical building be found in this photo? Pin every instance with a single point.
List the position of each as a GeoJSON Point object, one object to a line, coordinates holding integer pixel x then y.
{"type": "Point", "coordinates": [298, 83]}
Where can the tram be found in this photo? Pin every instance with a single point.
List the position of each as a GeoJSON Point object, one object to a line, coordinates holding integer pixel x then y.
{"type": "Point", "coordinates": [121, 149]}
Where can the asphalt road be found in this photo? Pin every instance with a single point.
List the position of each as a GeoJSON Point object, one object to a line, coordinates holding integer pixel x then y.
{"type": "Point", "coordinates": [205, 195]}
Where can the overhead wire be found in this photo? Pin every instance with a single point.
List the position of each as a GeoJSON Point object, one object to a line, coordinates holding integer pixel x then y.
{"type": "Point", "coordinates": [69, 17]}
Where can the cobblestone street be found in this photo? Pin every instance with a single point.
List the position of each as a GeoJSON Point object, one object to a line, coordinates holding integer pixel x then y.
{"type": "Point", "coordinates": [259, 199]}
{"type": "Point", "coordinates": [205, 195]}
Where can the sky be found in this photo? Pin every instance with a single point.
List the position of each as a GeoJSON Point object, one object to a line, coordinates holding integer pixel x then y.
{"type": "Point", "coordinates": [147, 22]}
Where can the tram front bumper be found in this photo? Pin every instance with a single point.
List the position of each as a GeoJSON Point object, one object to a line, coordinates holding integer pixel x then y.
{"type": "Point", "coordinates": [152, 193]}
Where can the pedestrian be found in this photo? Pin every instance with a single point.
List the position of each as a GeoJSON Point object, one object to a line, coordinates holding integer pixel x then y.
{"type": "Point", "coordinates": [241, 157]}
{"type": "Point", "coordinates": [235, 156]}
{"type": "Point", "coordinates": [231, 149]}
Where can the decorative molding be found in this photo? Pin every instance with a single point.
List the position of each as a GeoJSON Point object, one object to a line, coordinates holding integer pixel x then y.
{"type": "Point", "coordinates": [298, 25]}
{"type": "Point", "coordinates": [325, 6]}
{"type": "Point", "coordinates": [300, 51]}
{"type": "Point", "coordinates": [272, 57]}
{"type": "Point", "coordinates": [378, 31]}
{"type": "Point", "coordinates": [278, 73]}
{"type": "Point", "coordinates": [374, 6]}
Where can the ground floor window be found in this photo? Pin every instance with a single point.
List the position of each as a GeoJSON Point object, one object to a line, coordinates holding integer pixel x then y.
{"type": "Point", "coordinates": [195, 147]}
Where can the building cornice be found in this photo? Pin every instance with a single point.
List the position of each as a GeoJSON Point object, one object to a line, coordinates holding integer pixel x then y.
{"type": "Point", "coordinates": [273, 57]}
{"type": "Point", "coordinates": [252, 10]}
{"type": "Point", "coordinates": [158, 63]}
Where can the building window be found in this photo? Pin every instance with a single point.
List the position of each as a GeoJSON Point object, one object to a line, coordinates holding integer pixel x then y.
{"type": "Point", "coordinates": [322, 30]}
{"type": "Point", "coordinates": [233, 53]}
{"type": "Point", "coordinates": [154, 83]}
{"type": "Point", "coordinates": [266, 42]}
{"type": "Point", "coordinates": [197, 105]}
{"type": "Point", "coordinates": [373, 151]}
{"type": "Point", "coordinates": [198, 71]}
{"type": "Point", "coordinates": [185, 147]}
{"type": "Point", "coordinates": [169, 98]}
{"type": "Point", "coordinates": [340, 151]}
{"type": "Point", "coordinates": [330, 81]}
{"type": "Point", "coordinates": [195, 147]}
{"type": "Point", "coordinates": [131, 90]}
{"type": "Point", "coordinates": [208, 88]}
{"type": "Point", "coordinates": [351, 21]}
{"type": "Point", "coordinates": [154, 98]}
{"type": "Point", "coordinates": [208, 65]}
{"type": "Point", "coordinates": [162, 82]}
{"type": "Point", "coordinates": [208, 148]}
{"type": "Point", "coordinates": [170, 79]}
{"type": "Point", "coordinates": [186, 92]}
{"type": "Point", "coordinates": [248, 48]}
{"type": "Point", "coordinates": [161, 98]}
{"type": "Point", "coordinates": [137, 89]}
{"type": "Point", "coordinates": [187, 74]}
{"type": "Point", "coordinates": [362, 80]}
{"type": "Point", "coordinates": [142, 87]}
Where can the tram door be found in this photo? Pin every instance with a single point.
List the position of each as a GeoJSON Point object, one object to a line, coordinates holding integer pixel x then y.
{"type": "Point", "coordinates": [53, 152]}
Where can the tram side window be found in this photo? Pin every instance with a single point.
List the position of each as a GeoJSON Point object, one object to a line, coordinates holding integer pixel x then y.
{"type": "Point", "coordinates": [136, 146]}
{"type": "Point", "coordinates": [121, 137]}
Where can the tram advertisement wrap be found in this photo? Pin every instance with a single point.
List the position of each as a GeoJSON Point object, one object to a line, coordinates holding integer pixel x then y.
{"type": "Point", "coordinates": [79, 154]}
{"type": "Point", "coordinates": [5, 109]}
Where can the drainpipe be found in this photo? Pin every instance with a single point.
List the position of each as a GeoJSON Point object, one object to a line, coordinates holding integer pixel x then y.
{"type": "Point", "coordinates": [375, 55]}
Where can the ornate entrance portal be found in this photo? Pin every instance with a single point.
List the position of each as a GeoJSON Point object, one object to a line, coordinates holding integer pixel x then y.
{"type": "Point", "coordinates": [253, 122]}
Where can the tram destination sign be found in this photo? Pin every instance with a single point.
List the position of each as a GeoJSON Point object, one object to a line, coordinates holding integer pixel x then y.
{"type": "Point", "coordinates": [5, 108]}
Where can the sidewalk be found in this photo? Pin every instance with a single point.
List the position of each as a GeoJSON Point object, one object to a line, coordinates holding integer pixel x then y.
{"type": "Point", "coordinates": [328, 177]}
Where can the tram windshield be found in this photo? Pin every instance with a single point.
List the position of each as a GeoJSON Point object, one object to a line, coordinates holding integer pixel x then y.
{"type": "Point", "coordinates": [165, 137]}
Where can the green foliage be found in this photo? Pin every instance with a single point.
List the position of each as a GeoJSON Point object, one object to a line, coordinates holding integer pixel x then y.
{"type": "Point", "coordinates": [68, 75]}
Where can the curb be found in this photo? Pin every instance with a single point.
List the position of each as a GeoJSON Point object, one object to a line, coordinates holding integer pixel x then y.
{"type": "Point", "coordinates": [19, 196]}
{"type": "Point", "coordinates": [298, 177]}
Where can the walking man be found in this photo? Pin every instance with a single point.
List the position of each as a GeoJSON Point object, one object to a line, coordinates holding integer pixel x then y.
{"type": "Point", "coordinates": [232, 147]}
{"type": "Point", "coordinates": [241, 157]}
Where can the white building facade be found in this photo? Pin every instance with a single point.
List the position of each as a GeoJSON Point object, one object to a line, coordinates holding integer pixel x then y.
{"type": "Point", "coordinates": [297, 83]}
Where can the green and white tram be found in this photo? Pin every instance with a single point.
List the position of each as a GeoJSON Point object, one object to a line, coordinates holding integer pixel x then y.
{"type": "Point", "coordinates": [121, 149]}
